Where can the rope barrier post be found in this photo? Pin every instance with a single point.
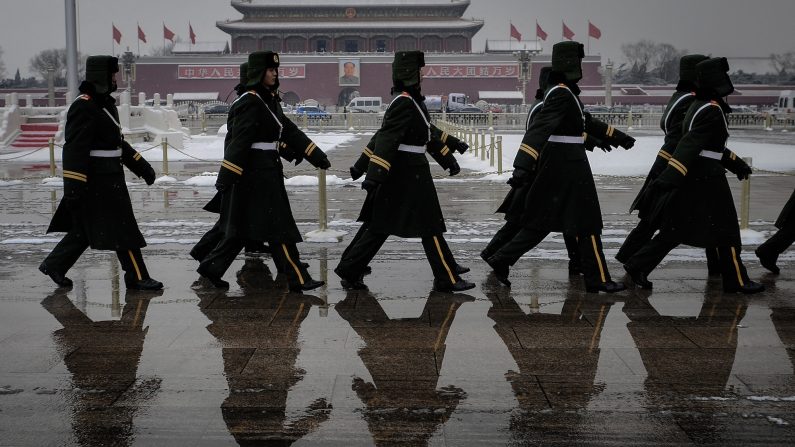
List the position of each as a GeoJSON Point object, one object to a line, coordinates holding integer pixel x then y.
{"type": "Point", "coordinates": [52, 157]}
{"type": "Point", "coordinates": [491, 147]}
{"type": "Point", "coordinates": [491, 118]}
{"type": "Point", "coordinates": [768, 122]}
{"type": "Point", "coordinates": [204, 122]}
{"type": "Point", "coordinates": [499, 154]}
{"type": "Point", "coordinates": [321, 187]}
{"type": "Point", "coordinates": [629, 120]}
{"type": "Point", "coordinates": [483, 145]}
{"type": "Point", "coordinates": [745, 198]}
{"type": "Point", "coordinates": [165, 156]}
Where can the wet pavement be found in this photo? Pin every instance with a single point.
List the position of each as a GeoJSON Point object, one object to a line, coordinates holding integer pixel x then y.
{"type": "Point", "coordinates": [541, 363]}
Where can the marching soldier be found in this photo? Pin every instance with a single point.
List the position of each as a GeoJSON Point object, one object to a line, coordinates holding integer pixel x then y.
{"type": "Point", "coordinates": [690, 201]}
{"type": "Point", "coordinates": [254, 202]}
{"type": "Point", "coordinates": [95, 210]}
{"type": "Point", "coordinates": [671, 125]}
{"type": "Point", "coordinates": [404, 200]}
{"type": "Point", "coordinates": [513, 204]}
{"type": "Point", "coordinates": [768, 252]}
{"type": "Point", "coordinates": [563, 195]}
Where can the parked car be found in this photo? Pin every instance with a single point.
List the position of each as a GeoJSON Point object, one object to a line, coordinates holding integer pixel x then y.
{"type": "Point", "coordinates": [312, 112]}
{"type": "Point", "coordinates": [217, 109]}
{"type": "Point", "coordinates": [597, 109]}
{"type": "Point", "coordinates": [745, 110]}
{"type": "Point", "coordinates": [469, 109]}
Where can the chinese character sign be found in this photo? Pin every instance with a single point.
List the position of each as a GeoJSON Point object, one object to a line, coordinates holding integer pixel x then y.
{"type": "Point", "coordinates": [286, 71]}
{"type": "Point", "coordinates": [470, 71]}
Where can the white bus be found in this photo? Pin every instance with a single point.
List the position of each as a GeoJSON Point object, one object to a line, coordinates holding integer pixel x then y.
{"type": "Point", "coordinates": [365, 104]}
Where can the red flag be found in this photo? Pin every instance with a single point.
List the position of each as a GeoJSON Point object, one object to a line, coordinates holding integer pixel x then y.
{"type": "Point", "coordinates": [593, 31]}
{"type": "Point", "coordinates": [515, 33]}
{"type": "Point", "coordinates": [168, 34]}
{"type": "Point", "coordinates": [141, 35]}
{"type": "Point", "coordinates": [540, 32]}
{"type": "Point", "coordinates": [191, 34]}
{"type": "Point", "coordinates": [116, 34]}
{"type": "Point", "coordinates": [567, 32]}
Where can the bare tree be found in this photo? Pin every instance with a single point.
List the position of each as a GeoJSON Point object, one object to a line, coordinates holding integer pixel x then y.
{"type": "Point", "coordinates": [55, 58]}
{"type": "Point", "coordinates": [783, 64]}
{"type": "Point", "coordinates": [666, 60]}
{"type": "Point", "coordinates": [164, 50]}
{"type": "Point", "coordinates": [649, 63]}
{"type": "Point", "coordinates": [639, 56]}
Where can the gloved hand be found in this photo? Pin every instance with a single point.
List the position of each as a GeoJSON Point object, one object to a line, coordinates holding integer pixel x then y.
{"type": "Point", "coordinates": [462, 147]}
{"type": "Point", "coordinates": [604, 147]}
{"type": "Point", "coordinates": [324, 163]}
{"type": "Point", "coordinates": [743, 171]}
{"type": "Point", "coordinates": [518, 178]}
{"type": "Point", "coordinates": [356, 173]}
{"type": "Point", "coordinates": [369, 185]}
{"type": "Point", "coordinates": [627, 142]}
{"type": "Point", "coordinates": [149, 176]}
{"type": "Point", "coordinates": [454, 168]}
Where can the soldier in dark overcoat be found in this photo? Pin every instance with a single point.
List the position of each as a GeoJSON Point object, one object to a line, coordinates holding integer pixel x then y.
{"type": "Point", "coordinates": [768, 252]}
{"type": "Point", "coordinates": [671, 125]}
{"type": "Point", "coordinates": [95, 210]}
{"type": "Point", "coordinates": [563, 196]}
{"type": "Point", "coordinates": [690, 200]}
{"type": "Point", "coordinates": [254, 202]}
{"type": "Point", "coordinates": [404, 203]}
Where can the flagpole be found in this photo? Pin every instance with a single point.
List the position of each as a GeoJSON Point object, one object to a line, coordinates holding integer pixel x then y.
{"type": "Point", "coordinates": [138, 32]}
{"type": "Point", "coordinates": [589, 38]}
{"type": "Point", "coordinates": [164, 38]}
{"type": "Point", "coordinates": [112, 39]}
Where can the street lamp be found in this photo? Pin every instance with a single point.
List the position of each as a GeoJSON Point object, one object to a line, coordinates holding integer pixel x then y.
{"type": "Point", "coordinates": [525, 58]}
{"type": "Point", "coordinates": [128, 69]}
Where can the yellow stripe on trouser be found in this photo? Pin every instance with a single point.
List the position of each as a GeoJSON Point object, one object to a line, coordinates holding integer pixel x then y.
{"type": "Point", "coordinates": [737, 267]}
{"type": "Point", "coordinates": [444, 263]}
{"type": "Point", "coordinates": [598, 259]}
{"type": "Point", "coordinates": [295, 267]}
{"type": "Point", "coordinates": [135, 265]}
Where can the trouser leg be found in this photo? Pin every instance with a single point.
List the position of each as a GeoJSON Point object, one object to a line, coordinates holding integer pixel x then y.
{"type": "Point", "coordinates": [360, 254]}
{"type": "Point", "coordinates": [573, 250]}
{"type": "Point", "coordinates": [732, 269]}
{"type": "Point", "coordinates": [440, 258]}
{"type": "Point", "coordinates": [653, 252]}
{"type": "Point", "coordinates": [132, 262]}
{"type": "Point", "coordinates": [287, 260]}
{"type": "Point", "coordinates": [501, 237]}
{"type": "Point", "coordinates": [713, 260]}
{"type": "Point", "coordinates": [221, 257]}
{"type": "Point", "coordinates": [66, 252]}
{"type": "Point", "coordinates": [207, 242]}
{"type": "Point", "coordinates": [778, 243]}
{"type": "Point", "coordinates": [523, 242]}
{"type": "Point", "coordinates": [592, 260]}
{"type": "Point", "coordinates": [356, 237]}
{"type": "Point", "coordinates": [635, 240]}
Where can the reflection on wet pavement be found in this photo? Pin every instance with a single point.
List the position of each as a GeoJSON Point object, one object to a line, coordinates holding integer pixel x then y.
{"type": "Point", "coordinates": [541, 363]}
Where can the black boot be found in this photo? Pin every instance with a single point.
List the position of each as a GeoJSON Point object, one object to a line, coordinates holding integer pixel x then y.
{"type": "Point", "coordinates": [216, 281]}
{"type": "Point", "coordinates": [441, 285]}
{"type": "Point", "coordinates": [143, 284]}
{"type": "Point", "coordinates": [748, 288]}
{"type": "Point", "coordinates": [768, 261]}
{"type": "Point", "coordinates": [574, 268]}
{"type": "Point", "coordinates": [639, 278]}
{"type": "Point", "coordinates": [367, 270]}
{"type": "Point", "coordinates": [607, 287]}
{"type": "Point", "coordinates": [350, 282]}
{"type": "Point", "coordinates": [57, 277]}
{"type": "Point", "coordinates": [501, 270]}
{"type": "Point", "coordinates": [460, 269]}
{"type": "Point", "coordinates": [307, 285]}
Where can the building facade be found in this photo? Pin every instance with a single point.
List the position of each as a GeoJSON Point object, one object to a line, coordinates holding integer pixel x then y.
{"type": "Point", "coordinates": [351, 26]}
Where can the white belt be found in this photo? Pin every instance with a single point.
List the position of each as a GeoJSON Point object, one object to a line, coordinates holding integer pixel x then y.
{"type": "Point", "coordinates": [711, 154]}
{"type": "Point", "coordinates": [265, 146]}
{"type": "Point", "coordinates": [105, 154]}
{"type": "Point", "coordinates": [566, 139]}
{"type": "Point", "coordinates": [410, 148]}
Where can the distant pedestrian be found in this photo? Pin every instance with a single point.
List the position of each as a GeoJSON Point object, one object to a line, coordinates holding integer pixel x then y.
{"type": "Point", "coordinates": [96, 210]}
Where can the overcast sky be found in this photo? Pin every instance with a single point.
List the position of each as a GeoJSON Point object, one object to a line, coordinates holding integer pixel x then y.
{"type": "Point", "coordinates": [739, 28]}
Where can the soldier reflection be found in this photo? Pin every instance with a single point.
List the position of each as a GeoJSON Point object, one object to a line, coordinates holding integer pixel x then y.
{"type": "Point", "coordinates": [259, 334]}
{"type": "Point", "coordinates": [103, 358]}
{"type": "Point", "coordinates": [682, 377]}
{"type": "Point", "coordinates": [557, 356]}
{"type": "Point", "coordinates": [404, 357]}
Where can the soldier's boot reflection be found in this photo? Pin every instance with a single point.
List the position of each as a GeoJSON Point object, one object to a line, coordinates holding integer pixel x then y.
{"type": "Point", "coordinates": [259, 334]}
{"type": "Point", "coordinates": [403, 403]}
